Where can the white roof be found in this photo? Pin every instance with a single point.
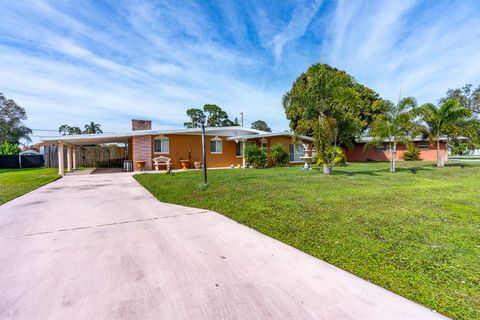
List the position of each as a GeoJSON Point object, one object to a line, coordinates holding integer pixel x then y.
{"type": "Point", "coordinates": [267, 135]}
{"type": "Point", "coordinates": [367, 138]}
{"type": "Point", "coordinates": [122, 137]}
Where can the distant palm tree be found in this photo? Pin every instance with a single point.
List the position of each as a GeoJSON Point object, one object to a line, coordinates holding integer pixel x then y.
{"type": "Point", "coordinates": [75, 130]}
{"type": "Point", "coordinates": [64, 129]}
{"type": "Point", "coordinates": [92, 128]}
{"type": "Point", "coordinates": [443, 121]}
{"type": "Point", "coordinates": [394, 125]}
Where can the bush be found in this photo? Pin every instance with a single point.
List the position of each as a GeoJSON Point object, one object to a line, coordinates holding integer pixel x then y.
{"type": "Point", "coordinates": [255, 156]}
{"type": "Point", "coordinates": [340, 158]}
{"type": "Point", "coordinates": [279, 155]}
{"type": "Point", "coordinates": [412, 153]}
{"type": "Point", "coordinates": [7, 148]}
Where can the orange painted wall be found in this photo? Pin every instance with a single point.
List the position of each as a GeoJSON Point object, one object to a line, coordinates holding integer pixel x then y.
{"type": "Point", "coordinates": [183, 146]}
{"type": "Point", "coordinates": [359, 154]}
{"type": "Point", "coordinates": [286, 141]}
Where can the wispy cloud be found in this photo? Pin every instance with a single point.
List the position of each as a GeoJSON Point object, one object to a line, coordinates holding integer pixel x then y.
{"type": "Point", "coordinates": [301, 18]}
{"type": "Point", "coordinates": [72, 62]}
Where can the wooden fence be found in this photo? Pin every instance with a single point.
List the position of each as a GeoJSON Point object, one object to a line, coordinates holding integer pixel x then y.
{"type": "Point", "coordinates": [88, 156]}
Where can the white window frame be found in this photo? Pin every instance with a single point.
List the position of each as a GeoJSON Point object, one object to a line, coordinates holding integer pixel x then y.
{"type": "Point", "coordinates": [239, 143]}
{"type": "Point", "coordinates": [298, 153]}
{"type": "Point", "coordinates": [423, 145]}
{"type": "Point", "coordinates": [162, 139]}
{"type": "Point", "coordinates": [264, 144]}
{"type": "Point", "coordinates": [380, 149]}
{"type": "Point", "coordinates": [218, 142]}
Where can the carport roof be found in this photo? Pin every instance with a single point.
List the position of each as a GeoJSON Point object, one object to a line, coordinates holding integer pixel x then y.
{"type": "Point", "coordinates": [81, 139]}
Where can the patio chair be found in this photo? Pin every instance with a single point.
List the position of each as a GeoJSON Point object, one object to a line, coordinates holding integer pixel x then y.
{"type": "Point", "coordinates": [162, 161]}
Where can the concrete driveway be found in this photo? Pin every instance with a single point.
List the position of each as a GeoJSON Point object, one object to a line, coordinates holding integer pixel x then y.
{"type": "Point", "coordinates": [99, 246]}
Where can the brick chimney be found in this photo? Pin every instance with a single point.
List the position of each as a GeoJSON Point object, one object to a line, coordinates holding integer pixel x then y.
{"type": "Point", "coordinates": [141, 125]}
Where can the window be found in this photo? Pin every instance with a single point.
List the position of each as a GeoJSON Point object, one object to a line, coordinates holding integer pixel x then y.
{"type": "Point", "coordinates": [296, 152]}
{"type": "Point", "coordinates": [264, 144]}
{"type": "Point", "coordinates": [380, 149]}
{"type": "Point", "coordinates": [239, 149]}
{"type": "Point", "coordinates": [161, 145]}
{"type": "Point", "coordinates": [216, 145]}
{"type": "Point", "coordinates": [422, 145]}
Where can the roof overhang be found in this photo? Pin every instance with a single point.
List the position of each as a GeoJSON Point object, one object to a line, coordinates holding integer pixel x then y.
{"type": "Point", "coordinates": [366, 139]}
{"type": "Point", "coordinates": [82, 139]}
{"type": "Point", "coordinates": [269, 135]}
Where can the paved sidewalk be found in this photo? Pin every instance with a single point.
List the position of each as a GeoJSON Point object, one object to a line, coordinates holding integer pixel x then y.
{"type": "Point", "coordinates": [100, 246]}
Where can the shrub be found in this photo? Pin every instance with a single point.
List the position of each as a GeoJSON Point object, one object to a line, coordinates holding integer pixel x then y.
{"type": "Point", "coordinates": [412, 153]}
{"type": "Point", "coordinates": [279, 155]}
{"type": "Point", "coordinates": [255, 156]}
{"type": "Point", "coordinates": [7, 148]}
{"type": "Point", "coordinates": [340, 158]}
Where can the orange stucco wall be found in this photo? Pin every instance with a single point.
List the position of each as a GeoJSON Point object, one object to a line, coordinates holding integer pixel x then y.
{"type": "Point", "coordinates": [286, 141]}
{"type": "Point", "coordinates": [358, 153]}
{"type": "Point", "coordinates": [189, 147]}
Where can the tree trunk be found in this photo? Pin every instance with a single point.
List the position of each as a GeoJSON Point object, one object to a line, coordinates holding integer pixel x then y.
{"type": "Point", "coordinates": [326, 168]}
{"type": "Point", "coordinates": [445, 152]}
{"type": "Point", "coordinates": [439, 156]}
{"type": "Point", "coordinates": [390, 149]}
{"type": "Point", "coordinates": [394, 157]}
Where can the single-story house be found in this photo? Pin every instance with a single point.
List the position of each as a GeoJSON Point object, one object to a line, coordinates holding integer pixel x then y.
{"type": "Point", "coordinates": [224, 145]}
{"type": "Point", "coordinates": [428, 151]}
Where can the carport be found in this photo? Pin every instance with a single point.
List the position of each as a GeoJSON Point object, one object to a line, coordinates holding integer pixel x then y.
{"type": "Point", "coordinates": [70, 141]}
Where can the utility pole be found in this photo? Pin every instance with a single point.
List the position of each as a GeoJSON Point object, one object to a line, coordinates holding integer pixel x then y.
{"type": "Point", "coordinates": [241, 114]}
{"type": "Point", "coordinates": [203, 119]}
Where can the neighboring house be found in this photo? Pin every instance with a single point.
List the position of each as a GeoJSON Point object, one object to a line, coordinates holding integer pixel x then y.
{"type": "Point", "coordinates": [224, 145]}
{"type": "Point", "coordinates": [29, 151]}
{"type": "Point", "coordinates": [428, 151]}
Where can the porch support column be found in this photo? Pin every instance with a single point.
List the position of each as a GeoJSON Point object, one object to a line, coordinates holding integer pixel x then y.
{"type": "Point", "coordinates": [69, 158]}
{"type": "Point", "coordinates": [61, 165]}
{"type": "Point", "coordinates": [74, 159]}
{"type": "Point", "coordinates": [244, 164]}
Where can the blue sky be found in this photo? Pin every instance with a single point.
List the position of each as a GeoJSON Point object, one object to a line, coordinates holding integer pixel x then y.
{"type": "Point", "coordinates": [110, 61]}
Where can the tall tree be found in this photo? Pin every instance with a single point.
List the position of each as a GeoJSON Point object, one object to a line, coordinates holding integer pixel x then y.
{"type": "Point", "coordinates": [261, 125]}
{"type": "Point", "coordinates": [216, 117]}
{"type": "Point", "coordinates": [467, 97]}
{"type": "Point", "coordinates": [324, 103]}
{"type": "Point", "coordinates": [394, 124]}
{"type": "Point", "coordinates": [76, 130]}
{"type": "Point", "coordinates": [194, 115]}
{"type": "Point", "coordinates": [443, 121]}
{"type": "Point", "coordinates": [92, 128]}
{"type": "Point", "coordinates": [64, 129]}
{"type": "Point", "coordinates": [12, 128]}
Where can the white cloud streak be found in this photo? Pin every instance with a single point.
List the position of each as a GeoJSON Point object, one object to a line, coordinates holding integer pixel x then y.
{"type": "Point", "coordinates": [74, 62]}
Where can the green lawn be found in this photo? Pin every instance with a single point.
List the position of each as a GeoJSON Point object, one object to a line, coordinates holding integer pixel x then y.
{"type": "Point", "coordinates": [15, 182]}
{"type": "Point", "coordinates": [415, 234]}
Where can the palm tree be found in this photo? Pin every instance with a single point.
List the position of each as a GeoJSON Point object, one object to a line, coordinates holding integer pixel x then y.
{"type": "Point", "coordinates": [395, 124]}
{"type": "Point", "coordinates": [75, 130]}
{"type": "Point", "coordinates": [92, 128]}
{"type": "Point", "coordinates": [443, 121]}
{"type": "Point", "coordinates": [64, 129]}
